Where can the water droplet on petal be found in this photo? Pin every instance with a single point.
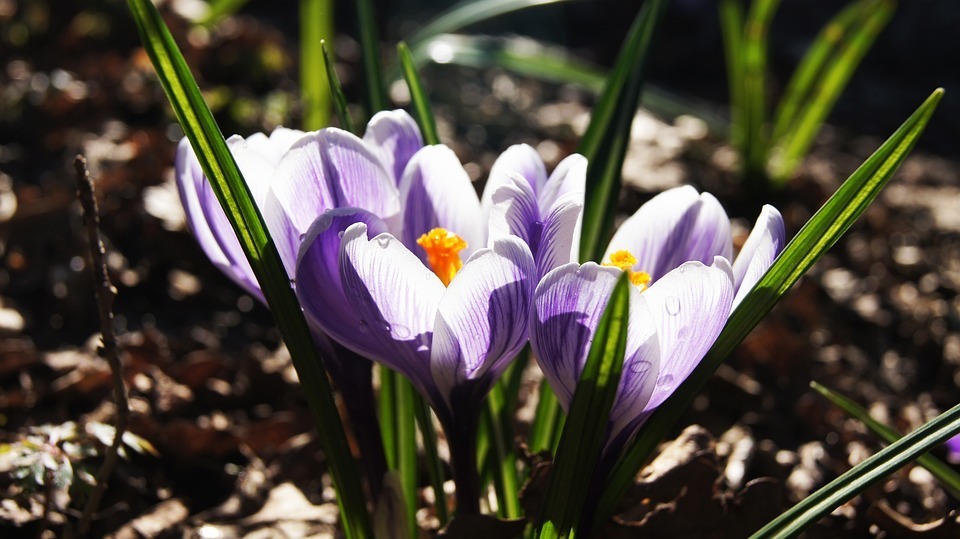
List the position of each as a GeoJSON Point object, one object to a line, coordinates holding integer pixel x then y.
{"type": "Point", "coordinates": [340, 234]}
{"type": "Point", "coordinates": [682, 268]}
{"type": "Point", "coordinates": [423, 348]}
{"type": "Point", "coordinates": [666, 383]}
{"type": "Point", "coordinates": [302, 236]}
{"type": "Point", "coordinates": [401, 332]}
{"type": "Point", "coordinates": [364, 328]}
{"type": "Point", "coordinates": [383, 242]}
{"type": "Point", "coordinates": [387, 328]}
{"type": "Point", "coordinates": [673, 306]}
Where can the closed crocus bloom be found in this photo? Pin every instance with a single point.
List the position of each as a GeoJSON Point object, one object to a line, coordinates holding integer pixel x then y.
{"type": "Point", "coordinates": [295, 177]}
{"type": "Point", "coordinates": [430, 302]}
{"type": "Point", "coordinates": [545, 211]}
{"type": "Point", "coordinates": [676, 249]}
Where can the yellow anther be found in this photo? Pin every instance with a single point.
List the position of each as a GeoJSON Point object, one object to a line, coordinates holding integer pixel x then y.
{"type": "Point", "coordinates": [625, 262]}
{"type": "Point", "coordinates": [443, 252]}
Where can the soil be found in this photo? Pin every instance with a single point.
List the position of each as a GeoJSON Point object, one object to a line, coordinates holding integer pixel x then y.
{"type": "Point", "coordinates": [213, 391]}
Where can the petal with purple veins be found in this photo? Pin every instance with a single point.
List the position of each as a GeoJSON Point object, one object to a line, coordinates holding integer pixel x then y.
{"type": "Point", "coordinates": [482, 319]}
{"type": "Point", "coordinates": [396, 297]}
{"type": "Point", "coordinates": [690, 306]}
{"type": "Point", "coordinates": [394, 136]}
{"type": "Point", "coordinates": [319, 285]}
{"type": "Point", "coordinates": [762, 247]}
{"type": "Point", "coordinates": [520, 159]}
{"type": "Point", "coordinates": [436, 192]}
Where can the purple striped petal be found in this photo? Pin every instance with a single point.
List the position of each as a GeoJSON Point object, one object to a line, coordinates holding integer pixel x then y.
{"type": "Point", "coordinates": [190, 178]}
{"type": "Point", "coordinates": [394, 136]}
{"type": "Point", "coordinates": [333, 169]}
{"type": "Point", "coordinates": [482, 319]}
{"type": "Point", "coordinates": [318, 282]}
{"type": "Point", "coordinates": [570, 176]}
{"type": "Point", "coordinates": [272, 148]}
{"type": "Point", "coordinates": [762, 247]}
{"type": "Point", "coordinates": [436, 192]}
{"type": "Point", "coordinates": [519, 159]}
{"type": "Point", "coordinates": [674, 227]}
{"type": "Point", "coordinates": [396, 297]}
{"type": "Point", "coordinates": [690, 306]}
{"type": "Point", "coordinates": [568, 304]}
{"type": "Point", "coordinates": [560, 235]}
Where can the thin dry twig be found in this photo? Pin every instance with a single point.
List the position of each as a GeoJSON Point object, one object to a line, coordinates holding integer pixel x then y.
{"type": "Point", "coordinates": [105, 293]}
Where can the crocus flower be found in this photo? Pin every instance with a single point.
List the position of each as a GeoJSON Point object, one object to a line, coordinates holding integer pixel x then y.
{"type": "Point", "coordinates": [676, 249]}
{"type": "Point", "coordinates": [546, 212]}
{"type": "Point", "coordinates": [430, 301]}
{"type": "Point", "coordinates": [294, 177]}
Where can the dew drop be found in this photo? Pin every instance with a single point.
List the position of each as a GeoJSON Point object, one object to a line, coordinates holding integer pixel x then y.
{"type": "Point", "coordinates": [302, 237]}
{"type": "Point", "coordinates": [383, 242]}
{"type": "Point", "coordinates": [423, 348]}
{"type": "Point", "coordinates": [673, 306]}
{"type": "Point", "coordinates": [387, 328]}
{"type": "Point", "coordinates": [364, 328]}
{"type": "Point", "coordinates": [666, 383]}
{"type": "Point", "coordinates": [683, 268]}
{"type": "Point", "coordinates": [401, 332]}
{"type": "Point", "coordinates": [340, 234]}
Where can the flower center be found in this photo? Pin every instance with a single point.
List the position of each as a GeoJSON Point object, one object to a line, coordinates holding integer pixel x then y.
{"type": "Point", "coordinates": [625, 261]}
{"type": "Point", "coordinates": [443, 252]}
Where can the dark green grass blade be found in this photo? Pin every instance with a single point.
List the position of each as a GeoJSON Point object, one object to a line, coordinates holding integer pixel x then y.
{"type": "Point", "coordinates": [316, 26]}
{"type": "Point", "coordinates": [228, 184]}
{"type": "Point", "coordinates": [753, 99]}
{"type": "Point", "coordinates": [220, 9]}
{"type": "Point", "coordinates": [583, 434]}
{"type": "Point", "coordinates": [731, 23]}
{"type": "Point", "coordinates": [948, 478]}
{"type": "Point", "coordinates": [406, 414]}
{"type": "Point", "coordinates": [503, 460]}
{"type": "Point", "coordinates": [819, 234]}
{"type": "Point", "coordinates": [418, 96]}
{"type": "Point", "coordinates": [434, 466]}
{"type": "Point", "coordinates": [863, 475]}
{"type": "Point", "coordinates": [799, 135]}
{"type": "Point", "coordinates": [608, 135]}
{"type": "Point", "coordinates": [471, 12]}
{"type": "Point", "coordinates": [544, 420]}
{"type": "Point", "coordinates": [376, 92]}
{"type": "Point", "coordinates": [339, 100]}
{"type": "Point", "coordinates": [825, 45]}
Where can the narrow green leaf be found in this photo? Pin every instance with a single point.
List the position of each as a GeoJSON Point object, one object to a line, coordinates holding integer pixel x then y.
{"type": "Point", "coordinates": [434, 466]}
{"type": "Point", "coordinates": [418, 96]}
{"type": "Point", "coordinates": [863, 475]}
{"type": "Point", "coordinates": [753, 99]}
{"type": "Point", "coordinates": [819, 234]}
{"type": "Point", "coordinates": [471, 12]}
{"type": "Point", "coordinates": [406, 404]}
{"type": "Point", "coordinates": [504, 462]}
{"type": "Point", "coordinates": [316, 26]}
{"type": "Point", "coordinates": [608, 135]}
{"type": "Point", "coordinates": [339, 100]}
{"type": "Point", "coordinates": [220, 9]}
{"type": "Point", "coordinates": [376, 94]}
{"type": "Point", "coordinates": [824, 46]}
{"type": "Point", "coordinates": [731, 24]}
{"type": "Point", "coordinates": [799, 135]}
{"type": "Point", "coordinates": [941, 470]}
{"type": "Point", "coordinates": [583, 434]}
{"type": "Point", "coordinates": [388, 417]}
{"type": "Point", "coordinates": [544, 419]}
{"type": "Point", "coordinates": [234, 195]}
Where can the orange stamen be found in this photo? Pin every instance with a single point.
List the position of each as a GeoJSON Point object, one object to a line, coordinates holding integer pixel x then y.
{"type": "Point", "coordinates": [443, 252]}
{"type": "Point", "coordinates": [625, 261]}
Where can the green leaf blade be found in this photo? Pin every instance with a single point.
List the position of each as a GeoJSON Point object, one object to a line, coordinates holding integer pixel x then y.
{"type": "Point", "coordinates": [608, 135]}
{"type": "Point", "coordinates": [418, 96]}
{"type": "Point", "coordinates": [234, 195]}
{"type": "Point", "coordinates": [316, 27]}
{"type": "Point", "coordinates": [585, 430]}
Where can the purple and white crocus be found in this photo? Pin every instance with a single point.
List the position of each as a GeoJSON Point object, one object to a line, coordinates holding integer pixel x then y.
{"type": "Point", "coordinates": [677, 249]}
{"type": "Point", "coordinates": [443, 296]}
{"type": "Point", "coordinates": [294, 177]}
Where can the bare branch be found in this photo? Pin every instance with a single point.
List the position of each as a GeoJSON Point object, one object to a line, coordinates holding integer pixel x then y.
{"type": "Point", "coordinates": [105, 293]}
